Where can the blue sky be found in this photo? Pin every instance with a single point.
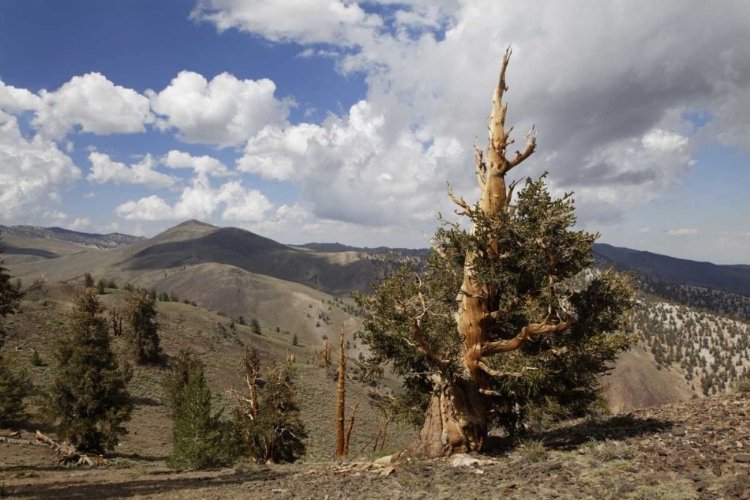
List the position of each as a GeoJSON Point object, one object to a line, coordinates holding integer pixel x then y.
{"type": "Point", "coordinates": [336, 120]}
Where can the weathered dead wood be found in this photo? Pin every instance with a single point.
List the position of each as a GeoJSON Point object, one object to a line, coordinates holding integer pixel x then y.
{"type": "Point", "coordinates": [69, 455]}
{"type": "Point", "coordinates": [340, 400]}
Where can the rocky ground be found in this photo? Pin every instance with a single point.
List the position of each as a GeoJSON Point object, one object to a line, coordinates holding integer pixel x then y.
{"type": "Point", "coordinates": [694, 450]}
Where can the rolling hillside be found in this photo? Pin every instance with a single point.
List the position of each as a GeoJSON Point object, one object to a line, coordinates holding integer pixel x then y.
{"type": "Point", "coordinates": [691, 336]}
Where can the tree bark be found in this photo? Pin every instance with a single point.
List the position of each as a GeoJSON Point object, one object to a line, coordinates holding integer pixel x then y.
{"type": "Point", "coordinates": [456, 420]}
{"type": "Point", "coordinates": [341, 395]}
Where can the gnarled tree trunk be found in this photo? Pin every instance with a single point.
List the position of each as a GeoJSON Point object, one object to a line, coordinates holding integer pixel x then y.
{"type": "Point", "coordinates": [456, 420]}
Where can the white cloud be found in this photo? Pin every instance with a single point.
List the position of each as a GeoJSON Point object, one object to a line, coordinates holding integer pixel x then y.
{"type": "Point", "coordinates": [55, 216]}
{"type": "Point", "coordinates": [225, 111]}
{"type": "Point", "coordinates": [145, 209]}
{"type": "Point", "coordinates": [14, 100]}
{"type": "Point", "coordinates": [201, 201]}
{"type": "Point", "coordinates": [89, 195]}
{"type": "Point", "coordinates": [685, 231]}
{"type": "Point", "coordinates": [104, 169]}
{"type": "Point", "coordinates": [305, 21]}
{"type": "Point", "coordinates": [609, 89]}
{"type": "Point", "coordinates": [95, 104]}
{"type": "Point", "coordinates": [33, 170]}
{"type": "Point", "coordinates": [79, 223]}
{"type": "Point", "coordinates": [200, 164]}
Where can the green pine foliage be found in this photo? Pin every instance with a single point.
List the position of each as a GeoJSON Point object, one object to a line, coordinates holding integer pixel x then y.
{"type": "Point", "coordinates": [271, 429]}
{"type": "Point", "coordinates": [14, 387]}
{"type": "Point", "coordinates": [10, 295]}
{"type": "Point", "coordinates": [88, 280]}
{"type": "Point", "coordinates": [143, 335]}
{"type": "Point", "coordinates": [554, 375]}
{"type": "Point", "coordinates": [201, 439]}
{"type": "Point", "coordinates": [176, 378]}
{"type": "Point", "coordinates": [255, 326]}
{"type": "Point", "coordinates": [89, 396]}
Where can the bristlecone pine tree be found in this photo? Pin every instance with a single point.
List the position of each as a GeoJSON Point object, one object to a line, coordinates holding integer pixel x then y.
{"type": "Point", "coordinates": [14, 387]}
{"type": "Point", "coordinates": [266, 418]}
{"type": "Point", "coordinates": [143, 336]}
{"type": "Point", "coordinates": [10, 295]}
{"type": "Point", "coordinates": [89, 393]}
{"type": "Point", "coordinates": [494, 330]}
{"type": "Point", "coordinates": [201, 439]}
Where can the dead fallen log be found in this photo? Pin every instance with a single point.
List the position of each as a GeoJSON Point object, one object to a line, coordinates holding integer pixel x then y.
{"type": "Point", "coordinates": [69, 455]}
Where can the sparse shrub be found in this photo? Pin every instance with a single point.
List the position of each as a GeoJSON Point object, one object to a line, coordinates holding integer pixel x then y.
{"type": "Point", "coordinates": [201, 440]}
{"type": "Point", "coordinates": [163, 297]}
{"type": "Point", "coordinates": [173, 297]}
{"type": "Point", "coordinates": [255, 326]}
{"type": "Point", "coordinates": [222, 314]}
{"type": "Point", "coordinates": [88, 280]}
{"type": "Point", "coordinates": [664, 491]}
{"type": "Point", "coordinates": [91, 414]}
{"type": "Point", "coordinates": [242, 320]}
{"type": "Point", "coordinates": [186, 301]}
{"type": "Point", "coordinates": [532, 451]}
{"type": "Point", "coordinates": [192, 303]}
{"type": "Point", "coordinates": [295, 339]}
{"type": "Point", "coordinates": [128, 287]}
{"type": "Point", "coordinates": [607, 451]}
{"type": "Point", "coordinates": [112, 284]}
{"type": "Point", "coordinates": [143, 335]}
{"type": "Point", "coordinates": [36, 359]}
{"type": "Point", "coordinates": [278, 329]}
{"type": "Point", "coordinates": [100, 287]}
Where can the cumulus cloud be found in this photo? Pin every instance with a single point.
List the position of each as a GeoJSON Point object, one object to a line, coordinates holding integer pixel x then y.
{"type": "Point", "coordinates": [353, 170]}
{"type": "Point", "coordinates": [610, 90]}
{"type": "Point", "coordinates": [305, 21]}
{"type": "Point", "coordinates": [55, 216]}
{"type": "Point", "coordinates": [685, 231]}
{"type": "Point", "coordinates": [94, 104]}
{"type": "Point", "coordinates": [104, 169]}
{"type": "Point", "coordinates": [79, 224]}
{"type": "Point", "coordinates": [225, 111]}
{"type": "Point", "coordinates": [14, 100]}
{"type": "Point", "coordinates": [201, 201]}
{"type": "Point", "coordinates": [200, 164]}
{"type": "Point", "coordinates": [33, 170]}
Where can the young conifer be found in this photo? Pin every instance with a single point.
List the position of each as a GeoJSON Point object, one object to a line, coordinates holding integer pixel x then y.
{"type": "Point", "coordinates": [201, 439]}
{"type": "Point", "coordinates": [143, 335]}
{"type": "Point", "coordinates": [89, 396]}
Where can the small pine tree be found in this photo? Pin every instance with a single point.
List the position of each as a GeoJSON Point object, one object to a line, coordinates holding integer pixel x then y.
{"type": "Point", "coordinates": [101, 287]}
{"type": "Point", "coordinates": [14, 387]}
{"type": "Point", "coordinates": [201, 440]}
{"type": "Point", "coordinates": [143, 335]}
{"type": "Point", "coordinates": [242, 320]}
{"type": "Point", "coordinates": [177, 376]}
{"type": "Point", "coordinates": [10, 292]}
{"type": "Point", "coordinates": [255, 326]}
{"type": "Point", "coordinates": [88, 280]}
{"type": "Point", "coordinates": [295, 339]}
{"type": "Point", "coordinates": [89, 396]}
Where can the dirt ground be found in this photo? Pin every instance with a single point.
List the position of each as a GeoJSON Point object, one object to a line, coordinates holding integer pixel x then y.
{"type": "Point", "coordinates": [694, 450]}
